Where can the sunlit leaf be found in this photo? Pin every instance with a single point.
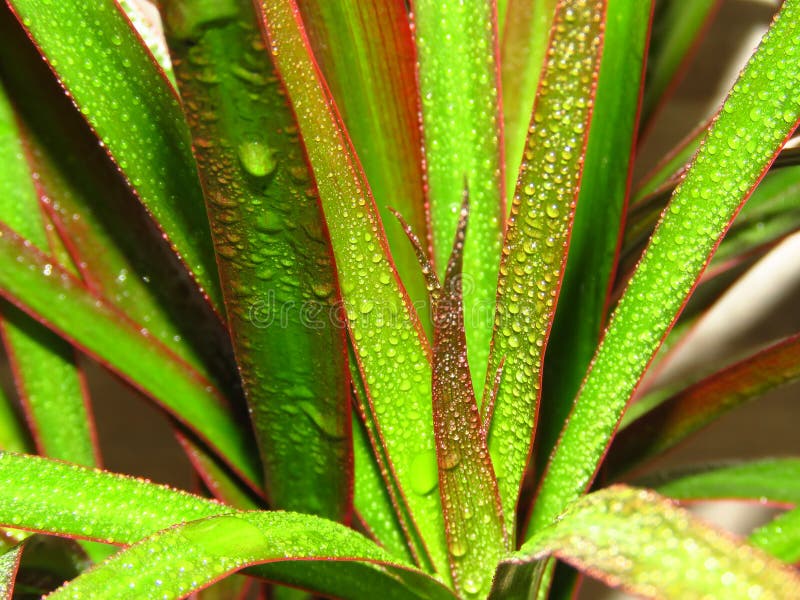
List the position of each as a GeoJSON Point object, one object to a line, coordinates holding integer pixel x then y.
{"type": "Point", "coordinates": [735, 155]}
{"type": "Point", "coordinates": [654, 427]}
{"type": "Point", "coordinates": [643, 543]}
{"type": "Point", "coordinates": [392, 352]}
{"type": "Point", "coordinates": [9, 563]}
{"type": "Point", "coordinates": [373, 80]}
{"type": "Point", "coordinates": [594, 241]}
{"type": "Point", "coordinates": [77, 38]}
{"type": "Point", "coordinates": [275, 263]}
{"type": "Point", "coordinates": [780, 537]}
{"type": "Point", "coordinates": [194, 555]}
{"type": "Point", "coordinates": [534, 254]}
{"type": "Point", "coordinates": [462, 134]}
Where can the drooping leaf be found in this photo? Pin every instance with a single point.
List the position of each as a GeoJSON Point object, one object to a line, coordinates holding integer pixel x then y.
{"type": "Point", "coordinates": [523, 47]}
{"type": "Point", "coordinates": [467, 482]}
{"type": "Point", "coordinates": [111, 76]}
{"type": "Point", "coordinates": [275, 262]}
{"type": "Point", "coordinates": [48, 380]}
{"type": "Point", "coordinates": [678, 27]}
{"type": "Point", "coordinates": [775, 480]}
{"type": "Point", "coordinates": [43, 288]}
{"type": "Point", "coordinates": [594, 243]}
{"type": "Point", "coordinates": [643, 543]}
{"type": "Point", "coordinates": [372, 79]}
{"type": "Point", "coordinates": [391, 349]}
{"type": "Point", "coordinates": [780, 537]}
{"type": "Point", "coordinates": [119, 253]}
{"type": "Point", "coordinates": [651, 429]}
{"type": "Point", "coordinates": [735, 155]}
{"type": "Point", "coordinates": [534, 253]}
{"type": "Point", "coordinates": [194, 555]}
{"type": "Point", "coordinates": [462, 128]}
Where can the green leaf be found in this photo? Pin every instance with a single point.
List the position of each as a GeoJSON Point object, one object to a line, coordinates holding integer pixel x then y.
{"type": "Point", "coordinates": [523, 43]}
{"type": "Point", "coordinates": [373, 81]}
{"type": "Point", "coordinates": [194, 555]}
{"type": "Point", "coordinates": [534, 253]}
{"type": "Point", "coordinates": [150, 29]}
{"type": "Point", "coordinates": [90, 46]}
{"type": "Point", "coordinates": [462, 134]}
{"type": "Point", "coordinates": [467, 482]}
{"type": "Point", "coordinates": [118, 252]}
{"type": "Point", "coordinates": [48, 381]}
{"type": "Point", "coordinates": [677, 28]}
{"type": "Point", "coordinates": [9, 563]}
{"type": "Point", "coordinates": [780, 537]}
{"type": "Point", "coordinates": [13, 436]}
{"type": "Point", "coordinates": [45, 495]}
{"type": "Point", "coordinates": [392, 352]}
{"type": "Point", "coordinates": [593, 246]}
{"type": "Point", "coordinates": [275, 262]}
{"type": "Point", "coordinates": [53, 295]}
{"type": "Point", "coordinates": [756, 119]}
{"type": "Point", "coordinates": [654, 426]}
{"type": "Point", "coordinates": [643, 543]}
{"type": "Point", "coordinates": [775, 480]}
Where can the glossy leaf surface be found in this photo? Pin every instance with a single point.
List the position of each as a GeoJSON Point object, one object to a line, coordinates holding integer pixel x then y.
{"type": "Point", "coordinates": [110, 74]}
{"type": "Point", "coordinates": [780, 537]}
{"type": "Point", "coordinates": [462, 134]}
{"type": "Point", "coordinates": [373, 81]}
{"type": "Point", "coordinates": [523, 48]}
{"type": "Point", "coordinates": [194, 555]}
{"type": "Point", "coordinates": [583, 299]}
{"type": "Point", "coordinates": [9, 563]}
{"type": "Point", "coordinates": [275, 262]}
{"type": "Point", "coordinates": [659, 428]}
{"type": "Point", "coordinates": [735, 155]}
{"type": "Point", "coordinates": [775, 480]}
{"type": "Point", "coordinates": [533, 258]}
{"type": "Point", "coordinates": [31, 279]}
{"type": "Point", "coordinates": [643, 543]}
{"type": "Point", "coordinates": [391, 349]}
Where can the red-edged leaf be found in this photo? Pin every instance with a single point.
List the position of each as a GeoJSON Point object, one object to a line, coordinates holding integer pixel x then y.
{"type": "Point", "coordinates": [473, 514]}
{"type": "Point", "coordinates": [9, 563]}
{"type": "Point", "coordinates": [651, 430]}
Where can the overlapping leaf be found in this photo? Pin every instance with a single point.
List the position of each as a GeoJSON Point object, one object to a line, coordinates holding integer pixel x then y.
{"type": "Point", "coordinates": [643, 543]}
{"type": "Point", "coordinates": [275, 263]}
{"type": "Point", "coordinates": [780, 537]}
{"type": "Point", "coordinates": [534, 254]}
{"type": "Point", "coordinates": [756, 119]}
{"type": "Point", "coordinates": [462, 132]}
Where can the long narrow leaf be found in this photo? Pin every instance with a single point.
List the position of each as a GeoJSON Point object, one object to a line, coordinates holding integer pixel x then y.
{"type": "Point", "coordinates": [599, 215]}
{"type": "Point", "coordinates": [675, 418]}
{"type": "Point", "coordinates": [462, 132]}
{"type": "Point", "coordinates": [372, 78]}
{"type": "Point", "coordinates": [9, 563]}
{"type": "Point", "coordinates": [537, 237]}
{"type": "Point", "coordinates": [76, 38]}
{"type": "Point", "coordinates": [41, 287]}
{"type": "Point", "coordinates": [194, 555]}
{"type": "Point", "coordinates": [735, 155]}
{"type": "Point", "coordinates": [780, 537]}
{"type": "Point", "coordinates": [390, 346]}
{"type": "Point", "coordinates": [643, 543]}
{"type": "Point", "coordinates": [275, 265]}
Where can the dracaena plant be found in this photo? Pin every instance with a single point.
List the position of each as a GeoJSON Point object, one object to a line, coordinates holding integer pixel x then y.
{"type": "Point", "coordinates": [332, 241]}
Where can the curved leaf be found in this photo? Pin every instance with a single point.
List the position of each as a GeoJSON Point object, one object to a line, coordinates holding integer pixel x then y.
{"type": "Point", "coordinates": [659, 428]}
{"type": "Point", "coordinates": [391, 349]}
{"type": "Point", "coordinates": [735, 155]}
{"type": "Point", "coordinates": [780, 537]}
{"type": "Point", "coordinates": [643, 543]}
{"type": "Point", "coordinates": [462, 128]}
{"type": "Point", "coordinates": [194, 555]}
{"type": "Point", "coordinates": [373, 81]}
{"type": "Point", "coordinates": [275, 262]}
{"type": "Point", "coordinates": [77, 38]}
{"type": "Point", "coordinates": [44, 289]}
{"type": "Point", "coordinates": [9, 563]}
{"type": "Point", "coordinates": [775, 480]}
{"type": "Point", "coordinates": [536, 240]}
{"type": "Point", "coordinates": [599, 214]}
